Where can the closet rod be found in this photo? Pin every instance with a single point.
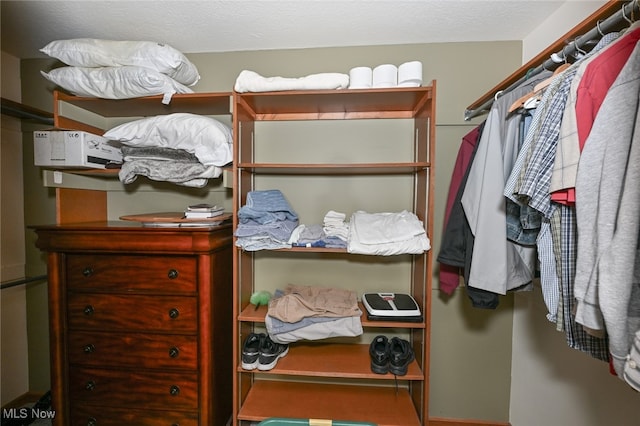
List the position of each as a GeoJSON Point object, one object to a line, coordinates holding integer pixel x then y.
{"type": "Point", "coordinates": [9, 284]}
{"type": "Point", "coordinates": [609, 17]}
{"type": "Point", "coordinates": [18, 110]}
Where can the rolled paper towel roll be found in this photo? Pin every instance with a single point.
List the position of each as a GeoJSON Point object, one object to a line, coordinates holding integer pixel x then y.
{"type": "Point", "coordinates": [360, 78]}
{"type": "Point", "coordinates": [385, 75]}
{"type": "Point", "coordinates": [410, 74]}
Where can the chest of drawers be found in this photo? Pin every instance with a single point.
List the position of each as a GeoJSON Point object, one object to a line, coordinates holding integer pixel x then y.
{"type": "Point", "coordinates": [140, 324]}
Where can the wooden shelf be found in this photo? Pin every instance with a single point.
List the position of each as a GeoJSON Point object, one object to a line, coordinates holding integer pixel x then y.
{"type": "Point", "coordinates": [334, 169]}
{"type": "Point", "coordinates": [251, 314]}
{"type": "Point", "coordinates": [85, 172]}
{"type": "Point", "coordinates": [333, 360]}
{"type": "Point", "coordinates": [384, 406]}
{"type": "Point", "coordinates": [218, 103]}
{"type": "Point", "coordinates": [337, 104]}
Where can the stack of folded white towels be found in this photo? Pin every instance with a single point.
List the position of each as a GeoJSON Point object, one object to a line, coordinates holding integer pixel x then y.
{"type": "Point", "coordinates": [334, 225]}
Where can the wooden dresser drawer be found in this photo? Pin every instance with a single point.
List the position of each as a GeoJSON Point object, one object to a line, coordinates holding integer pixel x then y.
{"type": "Point", "coordinates": [168, 274]}
{"type": "Point", "coordinates": [84, 415]}
{"type": "Point", "coordinates": [134, 388]}
{"type": "Point", "coordinates": [132, 312]}
{"type": "Point", "coordinates": [136, 350]}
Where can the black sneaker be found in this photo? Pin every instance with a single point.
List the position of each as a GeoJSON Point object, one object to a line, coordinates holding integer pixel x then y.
{"type": "Point", "coordinates": [379, 353]}
{"type": "Point", "coordinates": [251, 350]}
{"type": "Point", "coordinates": [270, 352]}
{"type": "Point", "coordinates": [401, 355]}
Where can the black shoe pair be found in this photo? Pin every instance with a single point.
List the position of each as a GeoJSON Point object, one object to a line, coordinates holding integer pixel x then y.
{"type": "Point", "coordinates": [393, 355]}
{"type": "Point", "coordinates": [259, 351]}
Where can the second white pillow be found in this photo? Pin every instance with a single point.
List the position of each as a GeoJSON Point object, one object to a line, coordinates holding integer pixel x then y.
{"type": "Point", "coordinates": [115, 82]}
{"type": "Point", "coordinates": [205, 137]}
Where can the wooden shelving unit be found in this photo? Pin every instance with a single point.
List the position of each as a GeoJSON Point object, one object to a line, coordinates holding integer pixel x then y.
{"type": "Point", "coordinates": [332, 380]}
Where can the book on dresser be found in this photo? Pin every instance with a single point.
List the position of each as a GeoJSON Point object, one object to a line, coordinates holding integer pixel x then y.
{"type": "Point", "coordinates": [202, 211]}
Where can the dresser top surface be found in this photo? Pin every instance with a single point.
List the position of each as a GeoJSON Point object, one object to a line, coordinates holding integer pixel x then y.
{"type": "Point", "coordinates": [131, 236]}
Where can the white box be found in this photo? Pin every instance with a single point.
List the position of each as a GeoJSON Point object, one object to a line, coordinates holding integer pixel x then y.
{"type": "Point", "coordinates": [73, 148]}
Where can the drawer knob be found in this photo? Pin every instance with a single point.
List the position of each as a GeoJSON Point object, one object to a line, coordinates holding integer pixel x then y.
{"type": "Point", "coordinates": [173, 274]}
{"type": "Point", "coordinates": [174, 313]}
{"type": "Point", "coordinates": [87, 271]}
{"type": "Point", "coordinates": [88, 349]}
{"type": "Point", "coordinates": [88, 310]}
{"type": "Point", "coordinates": [174, 390]}
{"type": "Point", "coordinates": [174, 352]}
{"type": "Point", "coordinates": [91, 421]}
{"type": "Point", "coordinates": [91, 385]}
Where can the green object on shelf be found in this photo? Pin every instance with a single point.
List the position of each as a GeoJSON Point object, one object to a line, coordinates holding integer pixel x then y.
{"type": "Point", "coordinates": [260, 298]}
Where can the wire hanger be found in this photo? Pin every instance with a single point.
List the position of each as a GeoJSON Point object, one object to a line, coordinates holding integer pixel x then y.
{"type": "Point", "coordinates": [530, 99]}
{"type": "Point", "coordinates": [579, 52]}
{"type": "Point", "coordinates": [624, 15]}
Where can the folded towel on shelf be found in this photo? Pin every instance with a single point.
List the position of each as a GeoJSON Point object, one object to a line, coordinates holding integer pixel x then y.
{"type": "Point", "coordinates": [265, 207]}
{"type": "Point", "coordinates": [387, 234]}
{"type": "Point", "coordinates": [253, 236]}
{"type": "Point", "coordinates": [335, 225]}
{"type": "Point", "coordinates": [249, 81]}
{"type": "Point", "coordinates": [314, 236]}
{"type": "Point", "coordinates": [165, 164]}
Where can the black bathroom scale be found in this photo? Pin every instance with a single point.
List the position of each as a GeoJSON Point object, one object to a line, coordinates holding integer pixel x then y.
{"type": "Point", "coordinates": [391, 307]}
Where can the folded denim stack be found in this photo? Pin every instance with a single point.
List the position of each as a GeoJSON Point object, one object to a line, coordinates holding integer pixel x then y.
{"type": "Point", "coordinates": [266, 221]}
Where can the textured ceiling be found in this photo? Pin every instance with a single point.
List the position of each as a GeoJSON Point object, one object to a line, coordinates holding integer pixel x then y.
{"type": "Point", "coordinates": [237, 25]}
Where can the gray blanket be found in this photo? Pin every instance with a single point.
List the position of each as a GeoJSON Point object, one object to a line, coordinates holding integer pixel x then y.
{"type": "Point", "coordinates": [165, 164]}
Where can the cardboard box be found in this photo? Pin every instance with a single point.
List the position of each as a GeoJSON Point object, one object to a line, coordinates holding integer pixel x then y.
{"type": "Point", "coordinates": [73, 148]}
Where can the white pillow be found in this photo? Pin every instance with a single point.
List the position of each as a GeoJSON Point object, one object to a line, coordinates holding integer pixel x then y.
{"type": "Point", "coordinates": [205, 137]}
{"type": "Point", "coordinates": [92, 53]}
{"type": "Point", "coordinates": [115, 82]}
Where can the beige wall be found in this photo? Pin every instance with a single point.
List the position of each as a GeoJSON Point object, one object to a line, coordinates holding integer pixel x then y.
{"type": "Point", "coordinates": [14, 368]}
{"type": "Point", "coordinates": [26, 336]}
{"type": "Point", "coordinates": [568, 15]}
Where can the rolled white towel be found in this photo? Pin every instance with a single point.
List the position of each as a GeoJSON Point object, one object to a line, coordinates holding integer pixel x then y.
{"type": "Point", "coordinates": [249, 81]}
